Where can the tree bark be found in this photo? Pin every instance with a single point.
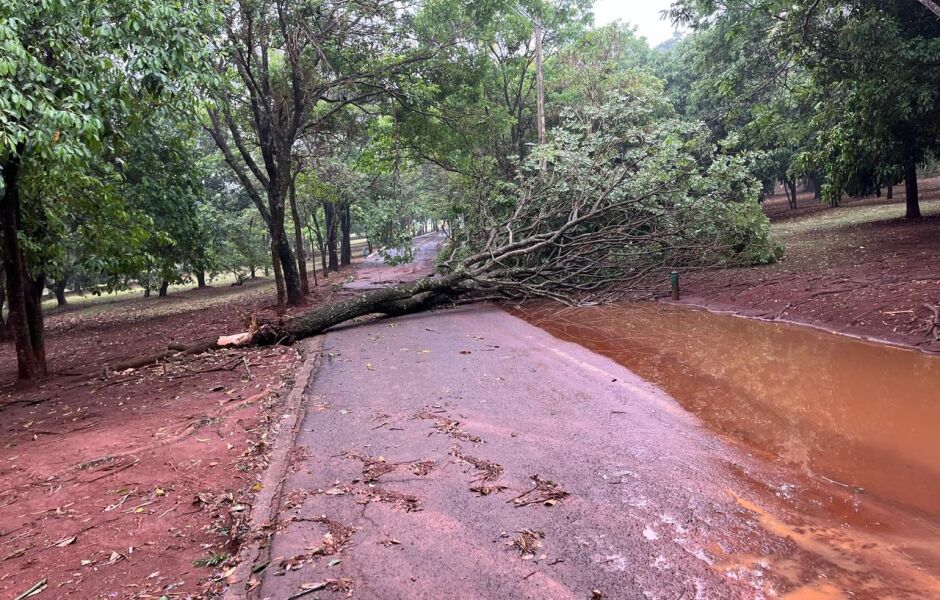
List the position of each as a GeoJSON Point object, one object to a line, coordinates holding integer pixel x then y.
{"type": "Point", "coordinates": [932, 7]}
{"type": "Point", "coordinates": [330, 211]}
{"type": "Point", "coordinates": [164, 287]}
{"type": "Point", "coordinates": [3, 299]}
{"type": "Point", "coordinates": [392, 301]}
{"type": "Point", "coordinates": [30, 348]}
{"type": "Point", "coordinates": [201, 279]}
{"type": "Point", "coordinates": [299, 241]}
{"type": "Point", "coordinates": [910, 185]}
{"type": "Point", "coordinates": [59, 290]}
{"type": "Point", "coordinates": [319, 235]}
{"type": "Point", "coordinates": [890, 191]}
{"type": "Point", "coordinates": [345, 227]}
{"type": "Point", "coordinates": [540, 90]}
{"type": "Point", "coordinates": [278, 276]}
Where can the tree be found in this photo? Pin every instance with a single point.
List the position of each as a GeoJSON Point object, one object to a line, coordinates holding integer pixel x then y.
{"type": "Point", "coordinates": [630, 192]}
{"type": "Point", "coordinates": [871, 97]}
{"type": "Point", "coordinates": [292, 67]}
{"type": "Point", "coordinates": [71, 74]}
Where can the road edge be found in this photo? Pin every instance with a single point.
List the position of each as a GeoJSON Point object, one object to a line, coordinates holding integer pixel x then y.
{"type": "Point", "coordinates": [272, 481]}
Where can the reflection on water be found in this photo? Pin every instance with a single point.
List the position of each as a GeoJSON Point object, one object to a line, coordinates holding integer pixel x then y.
{"type": "Point", "coordinates": [863, 416]}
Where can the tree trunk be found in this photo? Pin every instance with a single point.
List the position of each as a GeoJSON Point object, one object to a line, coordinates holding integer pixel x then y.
{"type": "Point", "coordinates": [30, 349]}
{"type": "Point", "coordinates": [278, 276]}
{"type": "Point", "coordinates": [3, 299]}
{"type": "Point", "coordinates": [201, 279]}
{"type": "Point", "coordinates": [346, 244]}
{"type": "Point", "coordinates": [910, 185]}
{"type": "Point", "coordinates": [329, 210]}
{"type": "Point", "coordinates": [164, 286]}
{"type": "Point", "coordinates": [539, 90]}
{"type": "Point", "coordinates": [299, 242]}
{"type": "Point", "coordinates": [890, 191]}
{"type": "Point", "coordinates": [319, 235]}
{"type": "Point", "coordinates": [789, 186]}
{"type": "Point", "coordinates": [59, 290]}
{"type": "Point", "coordinates": [289, 272]}
{"type": "Point", "coordinates": [392, 301]}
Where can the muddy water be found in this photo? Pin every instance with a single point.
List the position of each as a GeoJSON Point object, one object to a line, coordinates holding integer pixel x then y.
{"type": "Point", "coordinates": [857, 423]}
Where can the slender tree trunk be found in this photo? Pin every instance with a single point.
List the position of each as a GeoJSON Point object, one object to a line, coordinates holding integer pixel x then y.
{"type": "Point", "coordinates": [3, 299]}
{"type": "Point", "coordinates": [910, 185]}
{"type": "Point", "coordinates": [539, 89]}
{"type": "Point", "coordinates": [280, 249]}
{"type": "Point", "coordinates": [164, 287]}
{"type": "Point", "coordinates": [59, 290]}
{"type": "Point", "coordinates": [346, 226]}
{"type": "Point", "coordinates": [329, 210]}
{"type": "Point", "coordinates": [299, 241]}
{"type": "Point", "coordinates": [278, 276]}
{"type": "Point", "coordinates": [201, 278]}
{"type": "Point", "coordinates": [890, 191]}
{"type": "Point", "coordinates": [319, 235]}
{"type": "Point", "coordinates": [789, 187]}
{"type": "Point", "coordinates": [30, 350]}
{"type": "Point", "coordinates": [34, 317]}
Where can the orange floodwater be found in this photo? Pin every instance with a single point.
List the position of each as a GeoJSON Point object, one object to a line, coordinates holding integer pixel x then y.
{"type": "Point", "coordinates": [859, 419]}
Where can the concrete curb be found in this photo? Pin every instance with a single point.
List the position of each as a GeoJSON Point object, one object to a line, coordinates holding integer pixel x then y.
{"type": "Point", "coordinates": [264, 509]}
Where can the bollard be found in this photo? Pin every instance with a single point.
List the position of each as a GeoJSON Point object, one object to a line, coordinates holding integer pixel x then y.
{"type": "Point", "coordinates": [674, 277]}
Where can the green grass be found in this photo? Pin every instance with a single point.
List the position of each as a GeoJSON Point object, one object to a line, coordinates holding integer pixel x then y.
{"type": "Point", "coordinates": [75, 300]}
{"type": "Point", "coordinates": [847, 216]}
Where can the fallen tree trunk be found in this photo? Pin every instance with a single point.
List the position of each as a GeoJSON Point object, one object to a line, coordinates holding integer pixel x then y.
{"type": "Point", "coordinates": [417, 296]}
{"type": "Point", "coordinates": [396, 300]}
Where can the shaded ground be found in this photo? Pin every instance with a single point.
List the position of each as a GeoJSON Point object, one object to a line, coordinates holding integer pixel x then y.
{"type": "Point", "coordinates": [860, 269]}
{"type": "Point", "coordinates": [114, 485]}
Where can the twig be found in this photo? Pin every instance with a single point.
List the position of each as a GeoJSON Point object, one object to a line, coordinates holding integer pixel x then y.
{"type": "Point", "coordinates": [316, 588]}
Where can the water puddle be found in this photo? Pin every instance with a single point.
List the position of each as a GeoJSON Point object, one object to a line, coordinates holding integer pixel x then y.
{"type": "Point", "coordinates": [857, 423]}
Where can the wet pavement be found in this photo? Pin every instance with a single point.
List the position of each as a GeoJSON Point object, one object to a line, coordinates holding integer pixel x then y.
{"type": "Point", "coordinates": [469, 454]}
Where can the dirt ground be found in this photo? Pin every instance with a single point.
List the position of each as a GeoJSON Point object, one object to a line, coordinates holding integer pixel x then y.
{"type": "Point", "coordinates": [860, 269]}
{"type": "Point", "coordinates": [136, 484]}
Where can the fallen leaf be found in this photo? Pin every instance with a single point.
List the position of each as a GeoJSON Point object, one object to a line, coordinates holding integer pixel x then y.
{"type": "Point", "coordinates": [65, 542]}
{"type": "Point", "coordinates": [115, 557]}
{"type": "Point", "coordinates": [334, 562]}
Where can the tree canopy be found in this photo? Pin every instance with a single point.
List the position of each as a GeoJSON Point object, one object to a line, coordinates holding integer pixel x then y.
{"type": "Point", "coordinates": [147, 142]}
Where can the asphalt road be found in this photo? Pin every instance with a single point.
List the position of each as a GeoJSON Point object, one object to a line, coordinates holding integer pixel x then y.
{"type": "Point", "coordinates": [421, 431]}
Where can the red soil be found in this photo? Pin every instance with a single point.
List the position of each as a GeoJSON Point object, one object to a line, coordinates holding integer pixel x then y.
{"type": "Point", "coordinates": [860, 269]}
{"type": "Point", "coordinates": [114, 485]}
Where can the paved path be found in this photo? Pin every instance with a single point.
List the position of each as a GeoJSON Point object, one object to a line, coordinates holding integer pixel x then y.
{"type": "Point", "coordinates": [420, 432]}
{"type": "Point", "coordinates": [435, 394]}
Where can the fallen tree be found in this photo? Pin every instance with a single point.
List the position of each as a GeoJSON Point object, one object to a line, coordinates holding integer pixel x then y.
{"type": "Point", "coordinates": [630, 192]}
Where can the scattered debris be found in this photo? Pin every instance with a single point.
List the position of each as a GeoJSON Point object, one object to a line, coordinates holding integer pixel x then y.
{"type": "Point", "coordinates": [485, 470]}
{"type": "Point", "coordinates": [406, 502]}
{"type": "Point", "coordinates": [486, 490]}
{"type": "Point", "coordinates": [423, 468]}
{"type": "Point", "coordinates": [373, 467]}
{"type": "Point", "coordinates": [446, 425]}
{"type": "Point", "coordinates": [545, 492]}
{"type": "Point", "coordinates": [528, 543]}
